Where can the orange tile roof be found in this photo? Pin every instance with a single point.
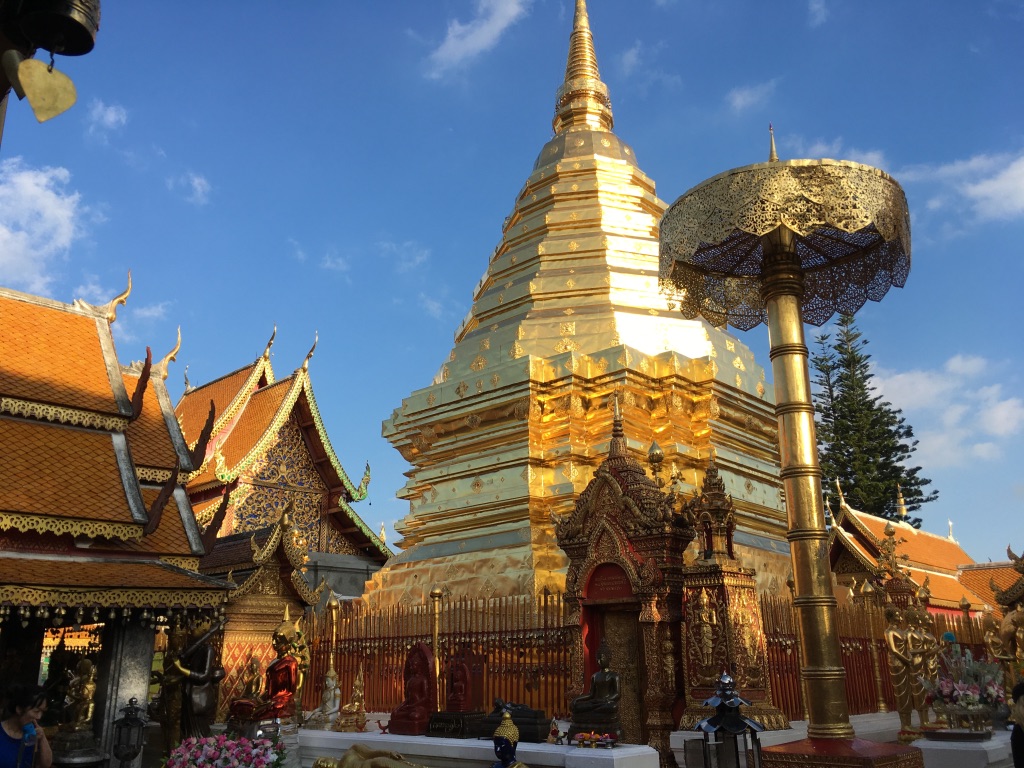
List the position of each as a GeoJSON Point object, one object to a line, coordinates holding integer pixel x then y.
{"type": "Point", "coordinates": [95, 573]}
{"type": "Point", "coordinates": [148, 438]}
{"type": "Point", "coordinates": [253, 423]}
{"type": "Point", "coordinates": [920, 546]}
{"type": "Point", "coordinates": [169, 537]}
{"type": "Point", "coordinates": [946, 591]}
{"type": "Point", "coordinates": [976, 578]}
{"type": "Point", "coordinates": [52, 354]}
{"type": "Point", "coordinates": [194, 405]}
{"type": "Point", "coordinates": [61, 472]}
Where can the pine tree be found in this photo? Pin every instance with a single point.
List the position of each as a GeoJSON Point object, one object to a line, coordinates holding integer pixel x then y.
{"type": "Point", "coordinates": [863, 442]}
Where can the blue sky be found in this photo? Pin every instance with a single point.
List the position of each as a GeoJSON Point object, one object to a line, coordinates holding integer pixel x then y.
{"type": "Point", "coordinates": [345, 167]}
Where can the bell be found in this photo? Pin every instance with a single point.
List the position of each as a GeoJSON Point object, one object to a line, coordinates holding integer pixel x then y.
{"type": "Point", "coordinates": [67, 27]}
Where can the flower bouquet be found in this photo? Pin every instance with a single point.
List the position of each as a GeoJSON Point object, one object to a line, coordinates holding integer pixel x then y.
{"type": "Point", "coordinates": [966, 690]}
{"type": "Point", "coordinates": [223, 752]}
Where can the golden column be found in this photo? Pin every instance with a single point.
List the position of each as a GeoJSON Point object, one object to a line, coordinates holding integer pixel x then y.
{"type": "Point", "coordinates": [786, 243]}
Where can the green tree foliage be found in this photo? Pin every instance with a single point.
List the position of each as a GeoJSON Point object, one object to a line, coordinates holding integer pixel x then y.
{"type": "Point", "coordinates": [863, 442]}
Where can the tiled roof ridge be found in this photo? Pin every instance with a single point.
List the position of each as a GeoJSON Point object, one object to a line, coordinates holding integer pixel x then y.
{"type": "Point", "coordinates": [294, 382]}
{"type": "Point", "coordinates": [211, 382]}
{"type": "Point", "coordinates": [174, 433]}
{"type": "Point", "coordinates": [78, 307]}
{"type": "Point", "coordinates": [985, 566]}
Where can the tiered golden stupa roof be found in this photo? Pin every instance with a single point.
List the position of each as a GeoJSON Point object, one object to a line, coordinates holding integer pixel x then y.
{"type": "Point", "coordinates": [90, 504]}
{"type": "Point", "coordinates": [855, 549]}
{"type": "Point", "coordinates": [268, 448]}
{"type": "Point", "coordinates": [569, 309]}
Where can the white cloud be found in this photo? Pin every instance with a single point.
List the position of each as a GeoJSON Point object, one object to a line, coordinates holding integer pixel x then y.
{"type": "Point", "coordinates": [151, 311]}
{"type": "Point", "coordinates": [40, 219]}
{"type": "Point", "coordinates": [1000, 196]}
{"type": "Point", "coordinates": [467, 41]}
{"type": "Point", "coordinates": [630, 59]}
{"type": "Point", "coordinates": [335, 263]}
{"type": "Point", "coordinates": [431, 306]}
{"type": "Point", "coordinates": [105, 118]}
{"type": "Point", "coordinates": [635, 63]}
{"type": "Point", "coordinates": [989, 186]}
{"type": "Point", "coordinates": [747, 96]}
{"type": "Point", "coordinates": [92, 292]}
{"type": "Point", "coordinates": [835, 149]}
{"type": "Point", "coordinates": [817, 12]}
{"type": "Point", "coordinates": [195, 186]}
{"type": "Point", "coordinates": [954, 420]}
{"type": "Point", "coordinates": [406, 256]}
{"type": "Point", "coordinates": [298, 253]}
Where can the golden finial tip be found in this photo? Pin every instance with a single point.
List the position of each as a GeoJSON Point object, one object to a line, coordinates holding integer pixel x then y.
{"type": "Point", "coordinates": [270, 343]}
{"type": "Point", "coordinates": [773, 156]}
{"type": "Point", "coordinates": [121, 298]}
{"type": "Point", "coordinates": [309, 355]}
{"type": "Point", "coordinates": [169, 357]}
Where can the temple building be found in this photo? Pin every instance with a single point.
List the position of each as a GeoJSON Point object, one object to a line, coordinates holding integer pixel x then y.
{"type": "Point", "coordinates": [268, 451]}
{"type": "Point", "coordinates": [96, 531]}
{"type": "Point", "coordinates": [568, 313]}
{"type": "Point", "coordinates": [857, 555]}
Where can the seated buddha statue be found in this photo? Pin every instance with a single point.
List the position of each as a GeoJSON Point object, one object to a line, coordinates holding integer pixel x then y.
{"type": "Point", "coordinates": [282, 680]}
{"type": "Point", "coordinates": [604, 692]}
{"type": "Point", "coordinates": [598, 710]}
{"type": "Point", "coordinates": [412, 716]}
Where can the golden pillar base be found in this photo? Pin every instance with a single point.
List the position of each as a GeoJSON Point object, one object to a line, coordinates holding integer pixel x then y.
{"type": "Point", "coordinates": [847, 753]}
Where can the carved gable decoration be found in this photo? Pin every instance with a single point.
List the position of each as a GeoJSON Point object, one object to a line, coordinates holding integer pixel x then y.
{"type": "Point", "coordinates": [621, 518]}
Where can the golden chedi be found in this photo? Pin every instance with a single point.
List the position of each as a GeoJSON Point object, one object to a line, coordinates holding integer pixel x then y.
{"type": "Point", "coordinates": [569, 311]}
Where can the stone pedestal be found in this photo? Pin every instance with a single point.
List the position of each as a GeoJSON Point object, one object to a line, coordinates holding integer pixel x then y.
{"type": "Point", "coordinates": [990, 753]}
{"type": "Point", "coordinates": [849, 753]}
{"type": "Point", "coordinates": [455, 725]}
{"type": "Point", "coordinates": [77, 749]}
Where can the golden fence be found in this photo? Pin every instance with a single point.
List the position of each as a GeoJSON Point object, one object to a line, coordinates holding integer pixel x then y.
{"type": "Point", "coordinates": [862, 642]}
{"type": "Point", "coordinates": [517, 649]}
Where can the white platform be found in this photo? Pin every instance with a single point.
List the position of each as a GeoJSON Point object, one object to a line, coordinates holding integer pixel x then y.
{"type": "Point", "coordinates": [472, 753]}
{"type": "Point", "coordinates": [993, 753]}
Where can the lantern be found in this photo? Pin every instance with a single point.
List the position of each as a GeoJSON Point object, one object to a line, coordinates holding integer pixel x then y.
{"type": "Point", "coordinates": [129, 733]}
{"type": "Point", "coordinates": [730, 739]}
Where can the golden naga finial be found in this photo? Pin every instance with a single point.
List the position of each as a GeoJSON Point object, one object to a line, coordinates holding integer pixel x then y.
{"type": "Point", "coordinates": [842, 499]}
{"type": "Point", "coordinates": [582, 99]}
{"type": "Point", "coordinates": [169, 358]}
{"type": "Point", "coordinates": [309, 355]}
{"type": "Point", "coordinates": [121, 298]}
{"type": "Point", "coordinates": [773, 156]}
{"type": "Point", "coordinates": [270, 343]}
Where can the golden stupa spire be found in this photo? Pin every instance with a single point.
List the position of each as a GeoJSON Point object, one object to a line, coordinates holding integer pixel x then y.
{"type": "Point", "coordinates": [901, 505]}
{"type": "Point", "coordinates": [773, 156]}
{"type": "Point", "coordinates": [582, 100]}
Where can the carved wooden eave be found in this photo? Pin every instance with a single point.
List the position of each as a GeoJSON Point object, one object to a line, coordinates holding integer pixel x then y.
{"type": "Point", "coordinates": [300, 402]}
{"type": "Point", "coordinates": [841, 544]}
{"type": "Point", "coordinates": [1014, 594]}
{"type": "Point", "coordinates": [280, 550]}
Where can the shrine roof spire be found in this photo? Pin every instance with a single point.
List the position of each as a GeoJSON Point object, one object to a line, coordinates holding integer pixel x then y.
{"type": "Point", "coordinates": [582, 101]}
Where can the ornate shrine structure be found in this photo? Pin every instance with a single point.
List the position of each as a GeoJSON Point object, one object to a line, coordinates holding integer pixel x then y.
{"type": "Point", "coordinates": [857, 554]}
{"type": "Point", "coordinates": [625, 546]}
{"type": "Point", "coordinates": [274, 492]}
{"type": "Point", "coordinates": [515, 422]}
{"type": "Point", "coordinates": [268, 450]}
{"type": "Point", "coordinates": [96, 527]}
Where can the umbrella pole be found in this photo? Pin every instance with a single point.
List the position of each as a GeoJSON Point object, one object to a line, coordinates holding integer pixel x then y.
{"type": "Point", "coordinates": [822, 671]}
